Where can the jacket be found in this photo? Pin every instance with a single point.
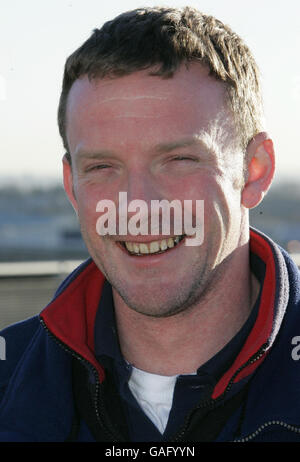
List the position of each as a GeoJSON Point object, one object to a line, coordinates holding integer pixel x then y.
{"type": "Point", "coordinates": [53, 389]}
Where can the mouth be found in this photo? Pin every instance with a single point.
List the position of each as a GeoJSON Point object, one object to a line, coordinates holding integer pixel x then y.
{"type": "Point", "coordinates": [142, 249]}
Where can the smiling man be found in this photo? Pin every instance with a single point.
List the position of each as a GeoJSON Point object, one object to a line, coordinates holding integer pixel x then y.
{"type": "Point", "coordinates": [152, 339]}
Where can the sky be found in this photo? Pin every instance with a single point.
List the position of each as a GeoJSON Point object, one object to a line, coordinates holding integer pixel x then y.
{"type": "Point", "coordinates": [36, 37]}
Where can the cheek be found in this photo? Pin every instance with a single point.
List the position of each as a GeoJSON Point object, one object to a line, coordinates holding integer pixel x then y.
{"type": "Point", "coordinates": [189, 187]}
{"type": "Point", "coordinates": [87, 218]}
{"type": "Point", "coordinates": [95, 202]}
{"type": "Point", "coordinates": [87, 200]}
{"type": "Point", "coordinates": [216, 201]}
{"type": "Point", "coordinates": [227, 206]}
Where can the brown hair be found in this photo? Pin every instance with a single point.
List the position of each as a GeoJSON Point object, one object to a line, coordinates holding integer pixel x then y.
{"type": "Point", "coordinates": [161, 39]}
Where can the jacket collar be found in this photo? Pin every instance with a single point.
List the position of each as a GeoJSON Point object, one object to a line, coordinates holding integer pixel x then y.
{"type": "Point", "coordinates": [71, 315]}
{"type": "Point", "coordinates": [273, 303]}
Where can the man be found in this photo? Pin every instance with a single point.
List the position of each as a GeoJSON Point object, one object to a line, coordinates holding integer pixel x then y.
{"type": "Point", "coordinates": [153, 339]}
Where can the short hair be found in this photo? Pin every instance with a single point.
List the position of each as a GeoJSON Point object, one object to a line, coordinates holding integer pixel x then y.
{"type": "Point", "coordinates": [161, 39]}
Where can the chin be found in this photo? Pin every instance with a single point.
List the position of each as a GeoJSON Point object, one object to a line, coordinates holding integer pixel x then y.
{"type": "Point", "coordinates": [160, 304]}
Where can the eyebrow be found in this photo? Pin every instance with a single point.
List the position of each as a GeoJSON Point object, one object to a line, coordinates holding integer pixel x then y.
{"type": "Point", "coordinates": [205, 141]}
{"type": "Point", "coordinates": [80, 154]}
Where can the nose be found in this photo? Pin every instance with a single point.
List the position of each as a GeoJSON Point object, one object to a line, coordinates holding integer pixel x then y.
{"type": "Point", "coordinates": [141, 188]}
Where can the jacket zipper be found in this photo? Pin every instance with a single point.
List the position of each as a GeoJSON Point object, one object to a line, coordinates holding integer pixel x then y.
{"type": "Point", "coordinates": [263, 426]}
{"type": "Point", "coordinates": [208, 403]}
{"type": "Point", "coordinates": [69, 350]}
{"type": "Point", "coordinates": [212, 403]}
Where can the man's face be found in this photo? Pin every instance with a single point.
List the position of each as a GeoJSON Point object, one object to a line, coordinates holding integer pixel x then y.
{"type": "Point", "coordinates": [156, 139]}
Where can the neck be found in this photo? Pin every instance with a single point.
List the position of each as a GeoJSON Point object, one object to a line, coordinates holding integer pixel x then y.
{"type": "Point", "coordinates": [181, 343]}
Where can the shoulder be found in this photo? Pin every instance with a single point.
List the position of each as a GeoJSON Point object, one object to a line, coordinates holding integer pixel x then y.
{"type": "Point", "coordinates": [35, 376]}
{"type": "Point", "coordinates": [23, 329]}
{"type": "Point", "coordinates": [16, 336]}
{"type": "Point", "coordinates": [14, 342]}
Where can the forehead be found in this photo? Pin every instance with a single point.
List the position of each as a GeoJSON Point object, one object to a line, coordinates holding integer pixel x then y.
{"type": "Point", "coordinates": [190, 99]}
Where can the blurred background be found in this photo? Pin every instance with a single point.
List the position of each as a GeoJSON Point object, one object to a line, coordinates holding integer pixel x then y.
{"type": "Point", "coordinates": [39, 235]}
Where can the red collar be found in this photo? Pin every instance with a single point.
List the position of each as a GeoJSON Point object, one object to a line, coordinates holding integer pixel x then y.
{"type": "Point", "coordinates": [71, 315]}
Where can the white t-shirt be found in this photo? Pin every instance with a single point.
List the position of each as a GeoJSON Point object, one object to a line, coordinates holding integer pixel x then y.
{"type": "Point", "coordinates": [154, 393]}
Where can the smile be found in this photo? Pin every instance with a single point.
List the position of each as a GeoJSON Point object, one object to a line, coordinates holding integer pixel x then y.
{"type": "Point", "coordinates": [154, 247]}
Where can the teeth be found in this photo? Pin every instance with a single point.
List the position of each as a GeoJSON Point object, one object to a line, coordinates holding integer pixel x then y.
{"type": "Point", "coordinates": [163, 245]}
{"type": "Point", "coordinates": [152, 247]}
{"type": "Point", "coordinates": [144, 248]}
{"type": "Point", "coordinates": [129, 246]}
{"type": "Point", "coordinates": [136, 248]}
{"type": "Point", "coordinates": [170, 242]}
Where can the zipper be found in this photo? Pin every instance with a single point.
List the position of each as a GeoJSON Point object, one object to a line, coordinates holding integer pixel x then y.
{"type": "Point", "coordinates": [113, 438]}
{"type": "Point", "coordinates": [265, 425]}
{"type": "Point", "coordinates": [212, 403]}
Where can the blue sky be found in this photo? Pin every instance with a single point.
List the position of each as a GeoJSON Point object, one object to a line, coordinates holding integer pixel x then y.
{"type": "Point", "coordinates": [36, 37]}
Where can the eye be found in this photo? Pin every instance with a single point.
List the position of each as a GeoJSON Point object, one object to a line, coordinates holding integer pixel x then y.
{"type": "Point", "coordinates": [97, 167]}
{"type": "Point", "coordinates": [180, 158]}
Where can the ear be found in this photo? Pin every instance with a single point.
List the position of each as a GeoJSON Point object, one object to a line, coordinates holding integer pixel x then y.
{"type": "Point", "coordinates": [261, 169]}
{"type": "Point", "coordinates": [68, 182]}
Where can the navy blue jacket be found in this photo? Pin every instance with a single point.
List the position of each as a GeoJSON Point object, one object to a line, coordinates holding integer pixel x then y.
{"type": "Point", "coordinates": [52, 387]}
